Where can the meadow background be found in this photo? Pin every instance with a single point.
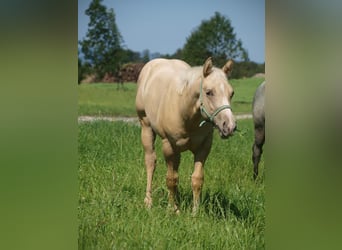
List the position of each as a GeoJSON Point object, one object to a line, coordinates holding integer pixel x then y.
{"type": "Point", "coordinates": [103, 99]}
{"type": "Point", "coordinates": [112, 182]}
{"type": "Point", "coordinates": [39, 154]}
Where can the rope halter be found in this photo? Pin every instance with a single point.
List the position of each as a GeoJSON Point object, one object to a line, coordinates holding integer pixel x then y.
{"type": "Point", "coordinates": [205, 114]}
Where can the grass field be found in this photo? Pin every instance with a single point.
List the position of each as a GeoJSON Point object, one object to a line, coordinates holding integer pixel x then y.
{"type": "Point", "coordinates": [113, 100]}
{"type": "Point", "coordinates": [112, 182]}
{"type": "Point", "coordinates": [107, 99]}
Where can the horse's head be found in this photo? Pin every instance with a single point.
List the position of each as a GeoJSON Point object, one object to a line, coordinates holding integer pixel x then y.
{"type": "Point", "coordinates": [215, 98]}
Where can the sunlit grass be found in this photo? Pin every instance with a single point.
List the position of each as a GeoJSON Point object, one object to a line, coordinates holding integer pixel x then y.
{"type": "Point", "coordinates": [103, 99]}
{"type": "Point", "coordinates": [244, 91]}
{"type": "Point", "coordinates": [112, 183]}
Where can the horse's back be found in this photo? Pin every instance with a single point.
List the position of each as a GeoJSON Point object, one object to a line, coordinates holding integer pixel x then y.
{"type": "Point", "coordinates": [156, 81]}
{"type": "Point", "coordinates": [162, 68]}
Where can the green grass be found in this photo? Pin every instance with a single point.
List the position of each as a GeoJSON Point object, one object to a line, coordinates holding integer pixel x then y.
{"type": "Point", "coordinates": [244, 91]}
{"type": "Point", "coordinates": [112, 181]}
{"type": "Point", "coordinates": [109, 99]}
{"type": "Point", "coordinates": [103, 99]}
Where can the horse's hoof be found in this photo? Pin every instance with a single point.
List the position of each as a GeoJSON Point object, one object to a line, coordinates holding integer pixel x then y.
{"type": "Point", "coordinates": [173, 209]}
{"type": "Point", "coordinates": [195, 211]}
{"type": "Point", "coordinates": [148, 203]}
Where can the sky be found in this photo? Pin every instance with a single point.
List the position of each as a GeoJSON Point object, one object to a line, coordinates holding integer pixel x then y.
{"type": "Point", "coordinates": [163, 26]}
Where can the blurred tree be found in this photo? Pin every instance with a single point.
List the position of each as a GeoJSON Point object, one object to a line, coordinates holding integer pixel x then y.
{"type": "Point", "coordinates": [81, 71]}
{"type": "Point", "coordinates": [145, 55]}
{"type": "Point", "coordinates": [84, 68]}
{"type": "Point", "coordinates": [178, 54]}
{"type": "Point", "coordinates": [102, 45]}
{"type": "Point", "coordinates": [215, 38]}
{"type": "Point", "coordinates": [127, 55]}
{"type": "Point", "coordinates": [155, 55]}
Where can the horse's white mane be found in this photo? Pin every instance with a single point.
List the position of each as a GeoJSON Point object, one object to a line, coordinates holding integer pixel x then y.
{"type": "Point", "coordinates": [188, 78]}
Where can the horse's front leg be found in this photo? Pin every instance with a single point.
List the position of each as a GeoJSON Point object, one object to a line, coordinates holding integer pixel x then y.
{"type": "Point", "coordinates": [172, 158]}
{"type": "Point", "coordinates": [197, 177]}
{"type": "Point", "coordinates": [197, 180]}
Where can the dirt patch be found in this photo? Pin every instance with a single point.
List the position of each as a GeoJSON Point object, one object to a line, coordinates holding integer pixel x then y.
{"type": "Point", "coordinates": [135, 119]}
{"type": "Point", "coordinates": [259, 75]}
{"type": "Point", "coordinates": [107, 118]}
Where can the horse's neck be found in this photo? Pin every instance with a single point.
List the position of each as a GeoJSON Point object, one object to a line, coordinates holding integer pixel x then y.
{"type": "Point", "coordinates": [191, 100]}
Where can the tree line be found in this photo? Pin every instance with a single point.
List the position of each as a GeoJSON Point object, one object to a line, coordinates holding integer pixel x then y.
{"type": "Point", "coordinates": [102, 52]}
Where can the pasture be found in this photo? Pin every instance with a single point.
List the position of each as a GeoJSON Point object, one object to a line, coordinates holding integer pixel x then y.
{"type": "Point", "coordinates": [112, 181]}
{"type": "Point", "coordinates": [103, 99]}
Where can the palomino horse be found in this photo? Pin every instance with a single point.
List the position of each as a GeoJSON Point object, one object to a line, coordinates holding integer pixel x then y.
{"type": "Point", "coordinates": [259, 126]}
{"type": "Point", "coordinates": [182, 104]}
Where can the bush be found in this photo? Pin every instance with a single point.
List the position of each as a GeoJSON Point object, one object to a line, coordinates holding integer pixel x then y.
{"type": "Point", "coordinates": [246, 69]}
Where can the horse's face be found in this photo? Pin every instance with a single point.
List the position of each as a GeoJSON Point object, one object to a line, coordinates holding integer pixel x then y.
{"type": "Point", "coordinates": [217, 94]}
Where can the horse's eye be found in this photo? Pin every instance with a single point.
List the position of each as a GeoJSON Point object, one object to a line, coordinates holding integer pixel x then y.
{"type": "Point", "coordinates": [209, 93]}
{"type": "Point", "coordinates": [232, 94]}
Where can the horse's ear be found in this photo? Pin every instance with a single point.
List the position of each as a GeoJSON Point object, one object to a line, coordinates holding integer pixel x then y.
{"type": "Point", "coordinates": [227, 68]}
{"type": "Point", "coordinates": [207, 67]}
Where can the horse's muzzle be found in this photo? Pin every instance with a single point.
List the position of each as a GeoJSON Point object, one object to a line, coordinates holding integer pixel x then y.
{"type": "Point", "coordinates": [226, 130]}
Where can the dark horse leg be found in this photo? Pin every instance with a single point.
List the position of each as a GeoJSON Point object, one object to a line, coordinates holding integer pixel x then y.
{"type": "Point", "coordinates": [259, 139]}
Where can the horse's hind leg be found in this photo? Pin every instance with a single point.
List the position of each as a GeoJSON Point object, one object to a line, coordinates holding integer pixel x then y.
{"type": "Point", "coordinates": [172, 159]}
{"type": "Point", "coordinates": [148, 137]}
{"type": "Point", "coordinates": [259, 139]}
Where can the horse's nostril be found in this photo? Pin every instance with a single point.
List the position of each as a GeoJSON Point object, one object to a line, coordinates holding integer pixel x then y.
{"type": "Point", "coordinates": [225, 127]}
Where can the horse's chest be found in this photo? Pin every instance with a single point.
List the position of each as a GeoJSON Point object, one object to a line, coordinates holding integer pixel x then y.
{"type": "Point", "coordinates": [187, 139]}
{"type": "Point", "coordinates": [183, 143]}
{"type": "Point", "coordinates": [189, 143]}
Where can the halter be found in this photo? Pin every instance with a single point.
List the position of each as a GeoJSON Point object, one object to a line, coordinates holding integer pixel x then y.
{"type": "Point", "coordinates": [205, 113]}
